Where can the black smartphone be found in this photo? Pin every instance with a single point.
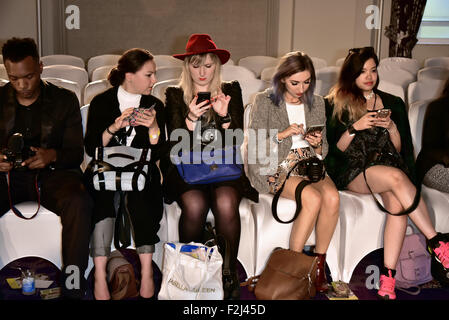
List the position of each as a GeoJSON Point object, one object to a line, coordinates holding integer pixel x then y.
{"type": "Point", "coordinates": [203, 96]}
{"type": "Point", "coordinates": [383, 113]}
{"type": "Point", "coordinates": [313, 129]}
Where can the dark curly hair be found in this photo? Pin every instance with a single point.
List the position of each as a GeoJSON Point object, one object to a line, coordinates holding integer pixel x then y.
{"type": "Point", "coordinates": [17, 49]}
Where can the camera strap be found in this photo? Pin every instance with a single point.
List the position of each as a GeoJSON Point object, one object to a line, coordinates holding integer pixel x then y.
{"type": "Point", "coordinates": [298, 192]}
{"type": "Point", "coordinates": [17, 211]}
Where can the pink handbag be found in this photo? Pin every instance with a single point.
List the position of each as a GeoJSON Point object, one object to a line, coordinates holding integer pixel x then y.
{"type": "Point", "coordinates": [413, 267]}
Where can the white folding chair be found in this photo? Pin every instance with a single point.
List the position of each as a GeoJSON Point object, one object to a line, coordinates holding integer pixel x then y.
{"type": "Point", "coordinates": [168, 73]}
{"type": "Point", "coordinates": [424, 90]}
{"type": "Point", "coordinates": [160, 87]}
{"type": "Point", "coordinates": [435, 73]}
{"type": "Point", "coordinates": [3, 73]}
{"type": "Point", "coordinates": [101, 73]}
{"type": "Point", "coordinates": [416, 113]}
{"type": "Point", "coordinates": [230, 62]}
{"type": "Point", "coordinates": [392, 88]}
{"type": "Point", "coordinates": [94, 88]}
{"type": "Point", "coordinates": [3, 82]}
{"type": "Point", "coordinates": [232, 72]}
{"type": "Point", "coordinates": [76, 74]}
{"type": "Point", "coordinates": [267, 74]}
{"type": "Point", "coordinates": [165, 60]}
{"type": "Point", "coordinates": [250, 87]}
{"type": "Point", "coordinates": [339, 62]}
{"type": "Point", "coordinates": [318, 63]}
{"type": "Point", "coordinates": [396, 76]}
{"type": "Point", "coordinates": [67, 84]}
{"type": "Point", "coordinates": [411, 65]}
{"type": "Point", "coordinates": [1, 58]}
{"type": "Point", "coordinates": [257, 63]}
{"type": "Point", "coordinates": [101, 60]}
{"type": "Point", "coordinates": [329, 77]}
{"type": "Point", "coordinates": [63, 59]}
{"type": "Point", "coordinates": [437, 62]}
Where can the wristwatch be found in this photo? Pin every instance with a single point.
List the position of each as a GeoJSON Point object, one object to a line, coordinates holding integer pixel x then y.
{"type": "Point", "coordinates": [352, 131]}
{"type": "Point", "coordinates": [225, 119]}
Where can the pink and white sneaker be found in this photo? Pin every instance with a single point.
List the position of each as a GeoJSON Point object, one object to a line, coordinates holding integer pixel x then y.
{"type": "Point", "coordinates": [387, 285]}
{"type": "Point", "coordinates": [442, 253]}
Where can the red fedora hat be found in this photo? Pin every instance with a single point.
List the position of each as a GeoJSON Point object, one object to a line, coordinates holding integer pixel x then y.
{"type": "Point", "coordinates": [202, 43]}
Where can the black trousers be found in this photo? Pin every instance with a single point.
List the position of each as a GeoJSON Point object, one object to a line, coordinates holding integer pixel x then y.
{"type": "Point", "coordinates": [145, 208]}
{"type": "Point", "coordinates": [63, 192]}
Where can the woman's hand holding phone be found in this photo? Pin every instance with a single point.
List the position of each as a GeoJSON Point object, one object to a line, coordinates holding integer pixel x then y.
{"type": "Point", "coordinates": [293, 129]}
{"type": "Point", "coordinates": [197, 110]}
{"type": "Point", "coordinates": [366, 122]}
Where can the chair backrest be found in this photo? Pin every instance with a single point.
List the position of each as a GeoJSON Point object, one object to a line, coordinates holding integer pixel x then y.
{"type": "Point", "coordinates": [101, 60]}
{"type": "Point", "coordinates": [395, 75]}
{"type": "Point", "coordinates": [159, 88]}
{"type": "Point", "coordinates": [392, 88]}
{"type": "Point", "coordinates": [424, 90]}
{"type": "Point", "coordinates": [63, 59]}
{"type": "Point", "coordinates": [250, 87]}
{"type": "Point", "coordinates": [168, 73]}
{"type": "Point", "coordinates": [416, 113]}
{"type": "Point", "coordinates": [231, 72]}
{"type": "Point", "coordinates": [257, 63]}
{"type": "Point", "coordinates": [267, 74]}
{"type": "Point", "coordinates": [3, 82]}
{"type": "Point", "coordinates": [230, 62]}
{"type": "Point", "coordinates": [437, 62]}
{"type": "Point", "coordinates": [1, 58]}
{"type": "Point", "coordinates": [165, 60]}
{"type": "Point", "coordinates": [67, 84]}
{"type": "Point", "coordinates": [436, 73]}
{"type": "Point", "coordinates": [329, 77]}
{"type": "Point", "coordinates": [3, 73]}
{"type": "Point", "coordinates": [318, 63]}
{"type": "Point", "coordinates": [94, 88]}
{"type": "Point", "coordinates": [71, 73]}
{"type": "Point", "coordinates": [101, 73]}
{"type": "Point", "coordinates": [339, 62]}
{"type": "Point", "coordinates": [244, 147]}
{"type": "Point", "coordinates": [411, 65]}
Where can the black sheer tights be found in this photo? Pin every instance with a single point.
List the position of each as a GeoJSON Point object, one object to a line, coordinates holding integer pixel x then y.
{"type": "Point", "coordinates": [224, 202]}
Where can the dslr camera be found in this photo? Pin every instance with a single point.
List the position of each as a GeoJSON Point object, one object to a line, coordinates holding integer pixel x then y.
{"type": "Point", "coordinates": [17, 152]}
{"type": "Point", "coordinates": [314, 169]}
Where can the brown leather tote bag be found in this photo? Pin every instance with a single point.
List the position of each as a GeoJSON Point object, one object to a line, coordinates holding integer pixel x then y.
{"type": "Point", "coordinates": [121, 277]}
{"type": "Point", "coordinates": [289, 275]}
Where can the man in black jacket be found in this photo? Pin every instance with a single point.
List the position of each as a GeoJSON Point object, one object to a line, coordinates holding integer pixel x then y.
{"type": "Point", "coordinates": [49, 120]}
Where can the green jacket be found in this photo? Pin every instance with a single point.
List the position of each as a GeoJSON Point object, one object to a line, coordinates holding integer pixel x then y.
{"type": "Point", "coordinates": [336, 160]}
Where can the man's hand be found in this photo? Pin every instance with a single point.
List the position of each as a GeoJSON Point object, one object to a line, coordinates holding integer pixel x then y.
{"type": "Point", "coordinates": [4, 166]}
{"type": "Point", "coordinates": [41, 159]}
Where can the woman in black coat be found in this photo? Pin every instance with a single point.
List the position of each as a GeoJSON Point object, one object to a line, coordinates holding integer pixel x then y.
{"type": "Point", "coordinates": [109, 125]}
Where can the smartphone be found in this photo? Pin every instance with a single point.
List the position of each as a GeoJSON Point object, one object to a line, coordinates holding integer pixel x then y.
{"type": "Point", "coordinates": [383, 113]}
{"type": "Point", "coordinates": [313, 129]}
{"type": "Point", "coordinates": [203, 96]}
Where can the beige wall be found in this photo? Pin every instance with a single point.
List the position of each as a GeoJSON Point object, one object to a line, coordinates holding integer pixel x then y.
{"type": "Point", "coordinates": [18, 18]}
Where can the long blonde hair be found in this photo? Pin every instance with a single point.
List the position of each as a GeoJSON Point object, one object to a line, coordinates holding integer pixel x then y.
{"type": "Point", "coordinates": [186, 82]}
{"type": "Point", "coordinates": [345, 95]}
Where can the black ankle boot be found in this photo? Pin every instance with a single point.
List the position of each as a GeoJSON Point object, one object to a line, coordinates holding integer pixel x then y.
{"type": "Point", "coordinates": [231, 286]}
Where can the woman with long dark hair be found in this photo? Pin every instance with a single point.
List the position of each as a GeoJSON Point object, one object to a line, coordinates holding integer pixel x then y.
{"type": "Point", "coordinates": [109, 124]}
{"type": "Point", "coordinates": [361, 121]}
{"type": "Point", "coordinates": [290, 107]}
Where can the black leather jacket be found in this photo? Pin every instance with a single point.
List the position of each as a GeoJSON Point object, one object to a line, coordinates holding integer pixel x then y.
{"type": "Point", "coordinates": [61, 126]}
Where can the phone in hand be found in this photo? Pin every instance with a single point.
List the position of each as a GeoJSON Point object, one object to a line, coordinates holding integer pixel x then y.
{"type": "Point", "coordinates": [312, 129]}
{"type": "Point", "coordinates": [203, 96]}
{"type": "Point", "coordinates": [383, 113]}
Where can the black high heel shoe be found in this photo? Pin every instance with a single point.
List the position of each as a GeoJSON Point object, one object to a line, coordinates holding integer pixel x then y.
{"type": "Point", "coordinates": [231, 286]}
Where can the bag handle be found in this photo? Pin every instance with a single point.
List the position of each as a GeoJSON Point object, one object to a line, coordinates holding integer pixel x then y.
{"type": "Point", "coordinates": [298, 192]}
{"type": "Point", "coordinates": [17, 211]}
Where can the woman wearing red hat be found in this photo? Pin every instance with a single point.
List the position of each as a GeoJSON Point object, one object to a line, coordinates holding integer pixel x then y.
{"type": "Point", "coordinates": [224, 111]}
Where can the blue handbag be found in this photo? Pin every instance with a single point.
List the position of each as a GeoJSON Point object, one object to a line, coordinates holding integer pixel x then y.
{"type": "Point", "coordinates": [204, 167]}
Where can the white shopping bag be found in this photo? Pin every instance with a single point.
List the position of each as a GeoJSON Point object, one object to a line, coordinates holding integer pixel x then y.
{"type": "Point", "coordinates": [191, 271]}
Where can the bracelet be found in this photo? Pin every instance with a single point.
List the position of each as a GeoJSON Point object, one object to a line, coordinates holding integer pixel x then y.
{"type": "Point", "coordinates": [188, 118]}
{"type": "Point", "coordinates": [317, 145]}
{"type": "Point", "coordinates": [225, 119]}
{"type": "Point", "coordinates": [276, 139]}
{"type": "Point", "coordinates": [154, 136]}
{"type": "Point", "coordinates": [352, 131]}
{"type": "Point", "coordinates": [108, 131]}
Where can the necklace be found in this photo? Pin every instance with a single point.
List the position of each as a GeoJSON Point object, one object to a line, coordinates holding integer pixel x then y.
{"type": "Point", "coordinates": [369, 95]}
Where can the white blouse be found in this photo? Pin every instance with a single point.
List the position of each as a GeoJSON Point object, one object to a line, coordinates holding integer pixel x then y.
{"type": "Point", "coordinates": [297, 115]}
{"type": "Point", "coordinates": [127, 100]}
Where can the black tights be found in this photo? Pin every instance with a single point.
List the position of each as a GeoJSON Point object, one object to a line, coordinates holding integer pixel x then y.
{"type": "Point", "coordinates": [224, 202]}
